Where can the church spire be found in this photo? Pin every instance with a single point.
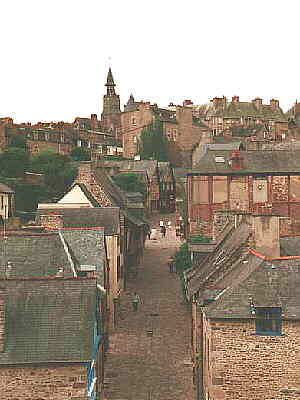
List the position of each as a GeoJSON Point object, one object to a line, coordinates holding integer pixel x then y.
{"type": "Point", "coordinates": [110, 84]}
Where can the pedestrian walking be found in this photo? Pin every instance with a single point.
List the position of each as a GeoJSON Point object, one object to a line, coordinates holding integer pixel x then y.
{"type": "Point", "coordinates": [163, 230]}
{"type": "Point", "coordinates": [170, 264]}
{"type": "Point", "coordinates": [135, 301]}
{"type": "Point", "coordinates": [149, 233]}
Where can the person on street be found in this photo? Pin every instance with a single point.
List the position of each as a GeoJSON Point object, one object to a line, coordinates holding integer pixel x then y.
{"type": "Point", "coordinates": [135, 301]}
{"type": "Point", "coordinates": [163, 231]}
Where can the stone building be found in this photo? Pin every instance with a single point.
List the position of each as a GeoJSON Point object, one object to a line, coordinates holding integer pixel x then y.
{"type": "Point", "coordinates": [226, 118]}
{"type": "Point", "coordinates": [246, 313]}
{"type": "Point", "coordinates": [52, 320]}
{"type": "Point", "coordinates": [250, 181]}
{"type": "Point", "coordinates": [182, 130]}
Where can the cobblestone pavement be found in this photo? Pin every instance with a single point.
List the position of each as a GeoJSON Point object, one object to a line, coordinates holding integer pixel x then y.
{"type": "Point", "coordinates": [141, 367]}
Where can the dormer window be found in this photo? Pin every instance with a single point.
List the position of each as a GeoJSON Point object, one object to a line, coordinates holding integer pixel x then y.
{"type": "Point", "coordinates": [268, 321]}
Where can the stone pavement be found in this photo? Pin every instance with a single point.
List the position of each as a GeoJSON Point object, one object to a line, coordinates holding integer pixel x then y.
{"type": "Point", "coordinates": [144, 367]}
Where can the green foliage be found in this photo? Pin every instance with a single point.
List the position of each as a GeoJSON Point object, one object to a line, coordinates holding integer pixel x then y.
{"type": "Point", "coordinates": [80, 154]}
{"type": "Point", "coordinates": [14, 161]}
{"type": "Point", "coordinates": [199, 239]}
{"type": "Point", "coordinates": [182, 258]}
{"type": "Point", "coordinates": [153, 143]}
{"type": "Point", "coordinates": [130, 182]}
{"type": "Point", "coordinates": [56, 169]}
{"type": "Point", "coordinates": [18, 141]}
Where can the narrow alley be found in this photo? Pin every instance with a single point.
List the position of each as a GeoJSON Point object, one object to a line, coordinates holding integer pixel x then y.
{"type": "Point", "coordinates": [145, 366]}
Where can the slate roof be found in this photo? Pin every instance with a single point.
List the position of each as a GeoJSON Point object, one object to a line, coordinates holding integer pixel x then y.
{"type": "Point", "coordinates": [49, 320]}
{"type": "Point", "coordinates": [5, 189]}
{"type": "Point", "coordinates": [33, 255]}
{"type": "Point", "coordinates": [88, 247]}
{"type": "Point", "coordinates": [224, 146]}
{"type": "Point", "coordinates": [266, 286]}
{"type": "Point", "coordinates": [107, 217]}
{"type": "Point", "coordinates": [253, 162]}
{"type": "Point", "coordinates": [148, 166]}
{"type": "Point", "coordinates": [116, 195]}
{"type": "Point", "coordinates": [233, 246]}
{"type": "Point", "coordinates": [241, 109]}
{"type": "Point", "coordinates": [290, 246]}
{"type": "Point", "coordinates": [235, 279]}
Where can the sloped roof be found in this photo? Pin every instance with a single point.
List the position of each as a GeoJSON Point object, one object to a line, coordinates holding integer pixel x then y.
{"type": "Point", "coordinates": [275, 162]}
{"type": "Point", "coordinates": [115, 194]}
{"type": "Point", "coordinates": [264, 284]}
{"type": "Point", "coordinates": [88, 247]}
{"type": "Point", "coordinates": [5, 189]}
{"type": "Point", "coordinates": [233, 246]}
{"type": "Point", "coordinates": [33, 255]}
{"type": "Point", "coordinates": [49, 320]}
{"type": "Point", "coordinates": [164, 168]}
{"type": "Point", "coordinates": [107, 217]}
{"type": "Point", "coordinates": [290, 246]}
{"type": "Point", "coordinates": [148, 166]}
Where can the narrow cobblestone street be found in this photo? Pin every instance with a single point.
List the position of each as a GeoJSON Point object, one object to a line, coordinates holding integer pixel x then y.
{"type": "Point", "coordinates": [141, 367]}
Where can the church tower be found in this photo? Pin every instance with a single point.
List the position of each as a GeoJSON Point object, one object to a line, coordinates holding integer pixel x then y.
{"type": "Point", "coordinates": [111, 114]}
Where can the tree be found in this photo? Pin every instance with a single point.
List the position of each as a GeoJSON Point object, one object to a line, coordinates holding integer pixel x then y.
{"type": "Point", "coordinates": [80, 154]}
{"type": "Point", "coordinates": [14, 161]}
{"type": "Point", "coordinates": [153, 143]}
{"type": "Point", "coordinates": [56, 169]}
{"type": "Point", "coordinates": [130, 182]}
{"type": "Point", "coordinates": [18, 141]}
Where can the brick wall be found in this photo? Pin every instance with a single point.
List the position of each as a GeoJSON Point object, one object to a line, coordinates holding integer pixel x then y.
{"type": "Point", "coordinates": [43, 383]}
{"type": "Point", "coordinates": [240, 365]}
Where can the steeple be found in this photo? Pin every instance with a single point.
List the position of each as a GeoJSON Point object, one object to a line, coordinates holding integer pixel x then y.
{"type": "Point", "coordinates": [130, 100]}
{"type": "Point", "coordinates": [110, 84]}
{"type": "Point", "coordinates": [110, 117]}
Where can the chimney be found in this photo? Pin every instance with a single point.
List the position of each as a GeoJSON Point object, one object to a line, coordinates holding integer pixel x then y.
{"type": "Point", "coordinates": [257, 102]}
{"type": "Point", "coordinates": [235, 99]}
{"type": "Point", "coordinates": [2, 319]}
{"type": "Point", "coordinates": [236, 160]}
{"type": "Point", "coordinates": [52, 220]}
{"type": "Point", "coordinates": [265, 234]}
{"type": "Point", "coordinates": [187, 103]}
{"type": "Point", "coordinates": [274, 103]}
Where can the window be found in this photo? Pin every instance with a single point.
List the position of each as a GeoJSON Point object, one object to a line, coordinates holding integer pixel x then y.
{"type": "Point", "coordinates": [133, 121]}
{"type": "Point", "coordinates": [268, 320]}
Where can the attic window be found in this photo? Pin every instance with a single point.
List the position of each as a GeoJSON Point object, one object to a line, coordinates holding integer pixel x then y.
{"type": "Point", "coordinates": [268, 321]}
{"type": "Point", "coordinates": [219, 159]}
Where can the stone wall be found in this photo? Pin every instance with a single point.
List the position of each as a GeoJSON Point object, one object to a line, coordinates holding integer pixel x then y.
{"type": "Point", "coordinates": [2, 319]}
{"type": "Point", "coordinates": [240, 365]}
{"type": "Point", "coordinates": [87, 177]}
{"type": "Point", "coordinates": [43, 383]}
{"type": "Point", "coordinates": [52, 220]}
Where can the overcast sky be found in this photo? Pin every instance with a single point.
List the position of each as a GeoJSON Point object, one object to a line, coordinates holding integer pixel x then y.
{"type": "Point", "coordinates": [55, 53]}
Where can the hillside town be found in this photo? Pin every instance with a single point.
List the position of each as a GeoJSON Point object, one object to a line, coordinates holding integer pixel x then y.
{"type": "Point", "coordinates": [151, 252]}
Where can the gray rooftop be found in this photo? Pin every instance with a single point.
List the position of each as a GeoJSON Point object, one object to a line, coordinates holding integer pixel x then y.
{"type": "Point", "coordinates": [49, 320]}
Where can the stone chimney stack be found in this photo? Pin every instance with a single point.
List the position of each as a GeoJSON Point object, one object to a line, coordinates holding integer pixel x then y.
{"type": "Point", "coordinates": [2, 319]}
{"type": "Point", "coordinates": [274, 103]}
{"type": "Point", "coordinates": [257, 102]}
{"type": "Point", "coordinates": [187, 103]}
{"type": "Point", "coordinates": [265, 234]}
